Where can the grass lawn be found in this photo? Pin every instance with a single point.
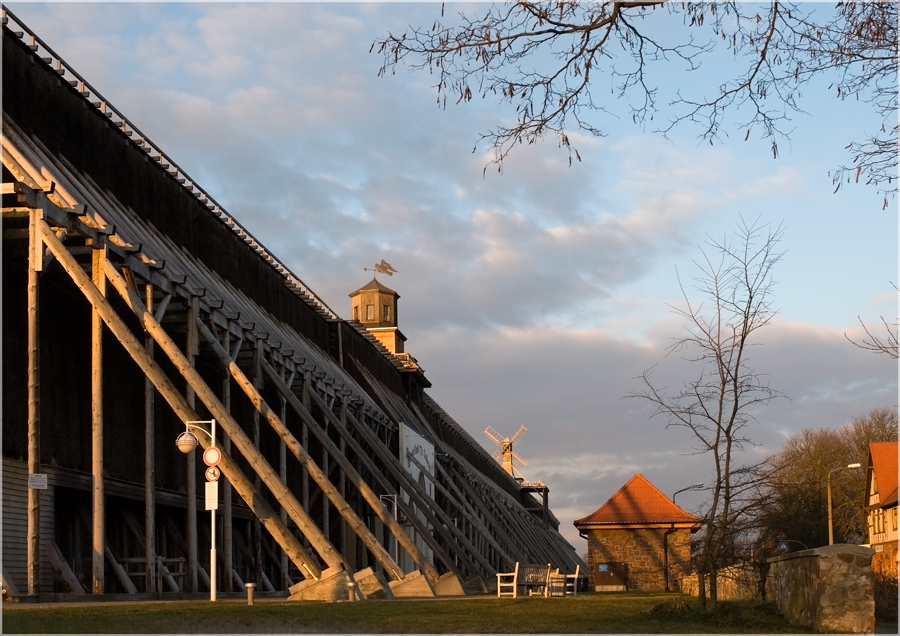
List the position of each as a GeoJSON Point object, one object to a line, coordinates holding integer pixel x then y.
{"type": "Point", "coordinates": [587, 613]}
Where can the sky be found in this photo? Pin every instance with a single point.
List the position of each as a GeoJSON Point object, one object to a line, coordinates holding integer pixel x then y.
{"type": "Point", "coordinates": [534, 297]}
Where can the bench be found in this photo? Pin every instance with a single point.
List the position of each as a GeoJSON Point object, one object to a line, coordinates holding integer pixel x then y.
{"type": "Point", "coordinates": [534, 578]}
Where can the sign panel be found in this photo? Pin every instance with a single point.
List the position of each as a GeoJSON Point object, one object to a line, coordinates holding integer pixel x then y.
{"type": "Point", "coordinates": [212, 495]}
{"type": "Point", "coordinates": [211, 456]}
{"type": "Point", "coordinates": [37, 481]}
{"type": "Point", "coordinates": [782, 545]}
{"type": "Point", "coordinates": [212, 473]}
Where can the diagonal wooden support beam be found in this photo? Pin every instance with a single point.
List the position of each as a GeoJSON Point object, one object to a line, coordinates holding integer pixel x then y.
{"type": "Point", "coordinates": [321, 479]}
{"type": "Point", "coordinates": [489, 523]}
{"type": "Point", "coordinates": [235, 433]}
{"type": "Point", "coordinates": [463, 509]}
{"type": "Point", "coordinates": [381, 478]}
{"type": "Point", "coordinates": [170, 393]}
{"type": "Point", "coordinates": [415, 491]}
{"type": "Point", "coordinates": [402, 477]}
{"type": "Point", "coordinates": [355, 478]}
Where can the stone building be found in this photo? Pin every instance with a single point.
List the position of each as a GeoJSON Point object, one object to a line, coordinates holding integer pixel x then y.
{"type": "Point", "coordinates": [640, 534]}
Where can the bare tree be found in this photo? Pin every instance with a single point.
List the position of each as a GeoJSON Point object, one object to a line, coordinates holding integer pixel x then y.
{"type": "Point", "coordinates": [886, 343]}
{"type": "Point", "coordinates": [717, 407]}
{"type": "Point", "coordinates": [547, 59]}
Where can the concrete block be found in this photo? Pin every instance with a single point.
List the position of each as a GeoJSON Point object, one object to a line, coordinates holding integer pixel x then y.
{"type": "Point", "coordinates": [413, 584]}
{"type": "Point", "coordinates": [448, 585]}
{"type": "Point", "coordinates": [474, 585]}
{"type": "Point", "coordinates": [371, 584]}
{"type": "Point", "coordinates": [331, 586]}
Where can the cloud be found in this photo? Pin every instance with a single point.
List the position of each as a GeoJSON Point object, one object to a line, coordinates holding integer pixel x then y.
{"type": "Point", "coordinates": [533, 297]}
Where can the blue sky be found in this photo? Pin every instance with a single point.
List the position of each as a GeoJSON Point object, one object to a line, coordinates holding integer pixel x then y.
{"type": "Point", "coordinates": [533, 297]}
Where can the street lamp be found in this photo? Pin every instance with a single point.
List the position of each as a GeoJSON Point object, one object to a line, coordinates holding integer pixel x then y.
{"type": "Point", "coordinates": [694, 487]}
{"type": "Point", "coordinates": [830, 528]}
{"type": "Point", "coordinates": [186, 443]}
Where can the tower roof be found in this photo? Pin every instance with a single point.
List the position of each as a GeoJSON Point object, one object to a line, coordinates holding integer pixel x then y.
{"type": "Point", "coordinates": [375, 285]}
{"type": "Point", "coordinates": [637, 502]}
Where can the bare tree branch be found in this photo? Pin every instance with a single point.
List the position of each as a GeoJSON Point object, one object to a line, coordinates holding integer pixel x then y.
{"type": "Point", "coordinates": [544, 59]}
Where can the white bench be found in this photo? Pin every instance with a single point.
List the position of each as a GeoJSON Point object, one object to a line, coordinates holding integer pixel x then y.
{"type": "Point", "coordinates": [534, 578]}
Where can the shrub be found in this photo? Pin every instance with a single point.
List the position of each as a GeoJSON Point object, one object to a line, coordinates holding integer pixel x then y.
{"type": "Point", "coordinates": [885, 589]}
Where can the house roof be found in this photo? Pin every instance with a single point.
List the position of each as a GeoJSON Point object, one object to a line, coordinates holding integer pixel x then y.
{"type": "Point", "coordinates": [375, 284]}
{"type": "Point", "coordinates": [883, 464]}
{"type": "Point", "coordinates": [638, 502]}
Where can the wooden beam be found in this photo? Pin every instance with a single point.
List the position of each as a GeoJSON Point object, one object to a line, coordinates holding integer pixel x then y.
{"type": "Point", "coordinates": [149, 461]}
{"type": "Point", "coordinates": [238, 437]}
{"type": "Point", "coordinates": [321, 479]}
{"type": "Point", "coordinates": [465, 550]}
{"type": "Point", "coordinates": [55, 556]}
{"type": "Point", "coordinates": [484, 532]}
{"type": "Point", "coordinates": [193, 561]}
{"type": "Point", "coordinates": [419, 496]}
{"type": "Point", "coordinates": [119, 571]}
{"type": "Point", "coordinates": [171, 394]}
{"type": "Point", "coordinates": [33, 548]}
{"type": "Point", "coordinates": [98, 494]}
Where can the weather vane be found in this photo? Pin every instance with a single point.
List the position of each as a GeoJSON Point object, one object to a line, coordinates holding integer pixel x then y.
{"type": "Point", "coordinates": [382, 268]}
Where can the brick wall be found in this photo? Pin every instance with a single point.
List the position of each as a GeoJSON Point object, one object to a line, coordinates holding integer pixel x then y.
{"type": "Point", "coordinates": [641, 549]}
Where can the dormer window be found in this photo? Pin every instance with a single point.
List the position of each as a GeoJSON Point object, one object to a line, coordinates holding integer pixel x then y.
{"type": "Point", "coordinates": [386, 313]}
{"type": "Point", "coordinates": [356, 312]}
{"type": "Point", "coordinates": [370, 312]}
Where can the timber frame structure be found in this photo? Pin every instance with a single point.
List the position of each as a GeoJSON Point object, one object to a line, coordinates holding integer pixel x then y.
{"type": "Point", "coordinates": [132, 303]}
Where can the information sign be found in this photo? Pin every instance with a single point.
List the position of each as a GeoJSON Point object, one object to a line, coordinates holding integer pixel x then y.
{"type": "Point", "coordinates": [37, 481]}
{"type": "Point", "coordinates": [212, 495]}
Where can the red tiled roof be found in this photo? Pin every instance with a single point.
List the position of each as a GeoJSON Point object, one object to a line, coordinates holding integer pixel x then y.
{"type": "Point", "coordinates": [638, 502]}
{"type": "Point", "coordinates": [883, 461]}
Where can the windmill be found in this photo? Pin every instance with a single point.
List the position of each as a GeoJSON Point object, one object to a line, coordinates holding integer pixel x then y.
{"type": "Point", "coordinates": [506, 455]}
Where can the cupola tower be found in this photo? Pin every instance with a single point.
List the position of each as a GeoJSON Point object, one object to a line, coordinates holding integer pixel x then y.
{"type": "Point", "coordinates": [375, 307]}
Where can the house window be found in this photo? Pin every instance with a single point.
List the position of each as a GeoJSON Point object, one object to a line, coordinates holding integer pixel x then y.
{"type": "Point", "coordinates": [370, 312]}
{"type": "Point", "coordinates": [356, 312]}
{"type": "Point", "coordinates": [894, 518]}
{"type": "Point", "coordinates": [386, 315]}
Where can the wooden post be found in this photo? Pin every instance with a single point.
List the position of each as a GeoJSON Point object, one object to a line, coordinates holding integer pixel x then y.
{"type": "Point", "coordinates": [257, 535]}
{"type": "Point", "coordinates": [342, 483]}
{"type": "Point", "coordinates": [98, 557]}
{"type": "Point", "coordinates": [227, 528]}
{"type": "Point", "coordinates": [35, 264]}
{"type": "Point", "coordinates": [191, 481]}
{"type": "Point", "coordinates": [304, 442]}
{"type": "Point", "coordinates": [282, 470]}
{"type": "Point", "coordinates": [170, 393]}
{"type": "Point", "coordinates": [149, 463]}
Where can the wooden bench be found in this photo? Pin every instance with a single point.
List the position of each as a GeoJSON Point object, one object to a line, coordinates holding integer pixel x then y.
{"type": "Point", "coordinates": [534, 578]}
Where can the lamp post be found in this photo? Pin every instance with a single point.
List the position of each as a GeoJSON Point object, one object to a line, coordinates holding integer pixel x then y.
{"type": "Point", "coordinates": [186, 443]}
{"type": "Point", "coordinates": [694, 487]}
{"type": "Point", "coordinates": [830, 528]}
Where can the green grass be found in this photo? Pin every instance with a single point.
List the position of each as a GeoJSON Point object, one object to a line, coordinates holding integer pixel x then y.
{"type": "Point", "coordinates": [587, 613]}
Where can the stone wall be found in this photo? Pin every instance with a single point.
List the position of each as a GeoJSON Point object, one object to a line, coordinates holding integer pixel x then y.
{"type": "Point", "coordinates": [829, 589]}
{"type": "Point", "coordinates": [641, 549]}
{"type": "Point", "coordinates": [740, 582]}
